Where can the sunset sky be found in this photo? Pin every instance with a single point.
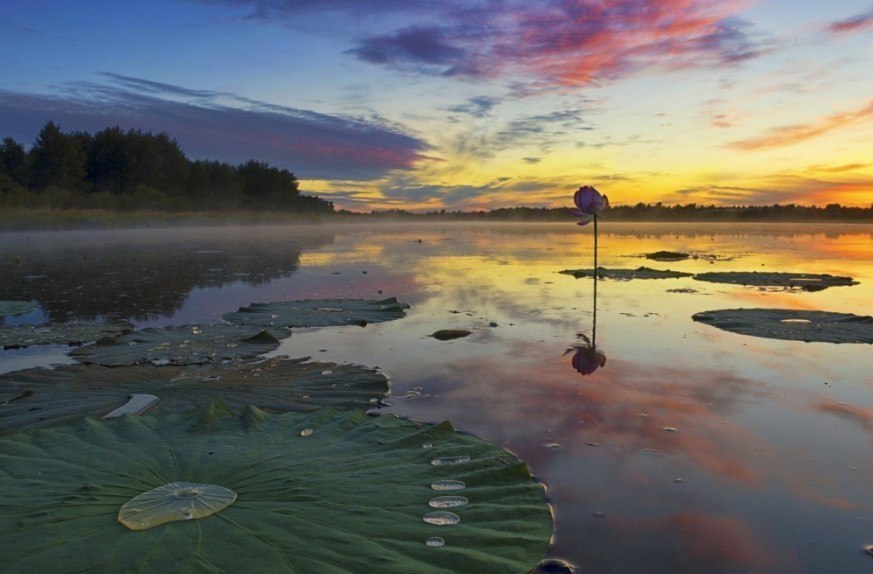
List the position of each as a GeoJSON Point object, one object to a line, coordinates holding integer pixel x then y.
{"type": "Point", "coordinates": [463, 104]}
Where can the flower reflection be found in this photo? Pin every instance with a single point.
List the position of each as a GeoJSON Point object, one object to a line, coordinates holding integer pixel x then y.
{"type": "Point", "coordinates": [587, 358]}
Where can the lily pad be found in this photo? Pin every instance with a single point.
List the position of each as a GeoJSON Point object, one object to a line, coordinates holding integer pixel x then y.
{"type": "Point", "coordinates": [37, 398]}
{"type": "Point", "coordinates": [183, 345]}
{"type": "Point", "coordinates": [804, 281]}
{"type": "Point", "coordinates": [626, 274]}
{"type": "Point", "coordinates": [16, 307]}
{"type": "Point", "coordinates": [667, 256]}
{"type": "Point", "coordinates": [792, 324]}
{"type": "Point", "coordinates": [349, 497]}
{"type": "Point", "coordinates": [318, 313]}
{"type": "Point", "coordinates": [72, 333]}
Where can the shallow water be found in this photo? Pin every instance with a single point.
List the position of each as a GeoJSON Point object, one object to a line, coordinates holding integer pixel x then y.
{"type": "Point", "coordinates": [691, 450]}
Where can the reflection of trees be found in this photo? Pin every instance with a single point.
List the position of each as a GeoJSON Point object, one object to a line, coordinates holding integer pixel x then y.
{"type": "Point", "coordinates": [141, 274]}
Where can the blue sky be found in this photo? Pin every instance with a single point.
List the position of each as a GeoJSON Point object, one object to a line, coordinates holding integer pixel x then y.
{"type": "Point", "coordinates": [467, 104]}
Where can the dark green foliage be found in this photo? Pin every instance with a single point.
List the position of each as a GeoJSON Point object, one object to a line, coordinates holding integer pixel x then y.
{"type": "Point", "coordinates": [114, 169]}
{"type": "Point", "coordinates": [327, 492]}
{"type": "Point", "coordinates": [57, 160]}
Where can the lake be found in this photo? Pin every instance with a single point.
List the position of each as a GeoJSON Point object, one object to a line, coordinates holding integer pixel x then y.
{"type": "Point", "coordinates": [692, 449]}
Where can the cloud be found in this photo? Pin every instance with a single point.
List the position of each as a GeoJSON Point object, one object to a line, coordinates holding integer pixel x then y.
{"type": "Point", "coordinates": [781, 188]}
{"type": "Point", "coordinates": [568, 43]}
{"type": "Point", "coordinates": [857, 23]}
{"type": "Point", "coordinates": [478, 107]}
{"type": "Point", "coordinates": [219, 125]}
{"type": "Point", "coordinates": [792, 134]}
{"type": "Point", "coordinates": [423, 49]}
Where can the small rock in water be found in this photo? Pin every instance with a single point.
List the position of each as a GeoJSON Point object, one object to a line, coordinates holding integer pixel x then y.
{"type": "Point", "coordinates": [427, 445]}
{"type": "Point", "coordinates": [869, 549]}
{"type": "Point", "coordinates": [306, 432]}
{"type": "Point", "coordinates": [554, 446]}
{"type": "Point", "coordinates": [554, 566]}
{"type": "Point", "coordinates": [434, 541]}
{"type": "Point", "coordinates": [669, 429]}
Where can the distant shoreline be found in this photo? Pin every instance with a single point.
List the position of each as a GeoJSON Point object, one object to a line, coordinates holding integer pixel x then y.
{"type": "Point", "coordinates": [56, 219]}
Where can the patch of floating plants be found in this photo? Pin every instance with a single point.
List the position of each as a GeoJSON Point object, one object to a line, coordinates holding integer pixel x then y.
{"type": "Point", "coordinates": [182, 345]}
{"type": "Point", "coordinates": [159, 494]}
{"type": "Point", "coordinates": [449, 334]}
{"type": "Point", "coordinates": [626, 274]}
{"type": "Point", "coordinates": [8, 308]}
{"type": "Point", "coordinates": [667, 256]}
{"type": "Point", "coordinates": [792, 325]}
{"type": "Point", "coordinates": [73, 333]}
{"type": "Point", "coordinates": [318, 313]}
{"type": "Point", "coordinates": [37, 398]}
{"type": "Point", "coordinates": [801, 281]}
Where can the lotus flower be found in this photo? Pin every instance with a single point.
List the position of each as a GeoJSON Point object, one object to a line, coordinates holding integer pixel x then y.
{"type": "Point", "coordinates": [589, 203]}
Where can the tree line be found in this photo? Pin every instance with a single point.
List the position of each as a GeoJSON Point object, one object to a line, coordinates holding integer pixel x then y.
{"type": "Point", "coordinates": [690, 212]}
{"type": "Point", "coordinates": [117, 169]}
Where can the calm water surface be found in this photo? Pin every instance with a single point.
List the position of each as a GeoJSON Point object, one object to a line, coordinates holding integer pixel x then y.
{"type": "Point", "coordinates": [691, 450]}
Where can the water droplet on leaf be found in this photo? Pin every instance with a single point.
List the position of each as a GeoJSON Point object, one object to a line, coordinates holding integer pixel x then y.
{"type": "Point", "coordinates": [441, 518]}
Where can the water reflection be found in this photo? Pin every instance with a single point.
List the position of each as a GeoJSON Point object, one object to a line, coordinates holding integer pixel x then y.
{"type": "Point", "coordinates": [587, 358]}
{"type": "Point", "coordinates": [142, 274]}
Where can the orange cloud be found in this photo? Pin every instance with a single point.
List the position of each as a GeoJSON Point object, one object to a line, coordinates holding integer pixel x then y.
{"type": "Point", "coordinates": [790, 135]}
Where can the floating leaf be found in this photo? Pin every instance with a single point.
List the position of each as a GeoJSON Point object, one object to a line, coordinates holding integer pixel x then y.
{"type": "Point", "coordinates": [805, 281]}
{"type": "Point", "coordinates": [318, 313]}
{"type": "Point", "coordinates": [184, 345]}
{"type": "Point", "coordinates": [72, 333]}
{"type": "Point", "coordinates": [17, 307]}
{"type": "Point", "coordinates": [40, 397]}
{"type": "Point", "coordinates": [626, 274]}
{"type": "Point", "coordinates": [349, 498]}
{"type": "Point", "coordinates": [792, 324]}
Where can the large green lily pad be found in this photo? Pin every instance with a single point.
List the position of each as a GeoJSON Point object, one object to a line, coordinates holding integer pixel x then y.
{"type": "Point", "coordinates": [16, 307]}
{"type": "Point", "coordinates": [72, 333]}
{"type": "Point", "coordinates": [182, 345]}
{"type": "Point", "coordinates": [37, 398]}
{"type": "Point", "coordinates": [805, 281]}
{"type": "Point", "coordinates": [318, 313]}
{"type": "Point", "coordinates": [792, 324]}
{"type": "Point", "coordinates": [329, 492]}
{"type": "Point", "coordinates": [626, 274]}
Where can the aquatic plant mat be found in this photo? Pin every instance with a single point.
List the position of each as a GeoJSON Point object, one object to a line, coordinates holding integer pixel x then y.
{"type": "Point", "coordinates": [804, 281]}
{"type": "Point", "coordinates": [183, 345]}
{"type": "Point", "coordinates": [16, 307]}
{"type": "Point", "coordinates": [318, 313]}
{"type": "Point", "coordinates": [41, 397]}
{"type": "Point", "coordinates": [329, 492]}
{"type": "Point", "coordinates": [626, 274]}
{"type": "Point", "coordinates": [792, 325]}
{"type": "Point", "coordinates": [72, 333]}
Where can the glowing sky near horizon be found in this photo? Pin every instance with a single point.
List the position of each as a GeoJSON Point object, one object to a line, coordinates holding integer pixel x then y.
{"type": "Point", "coordinates": [471, 104]}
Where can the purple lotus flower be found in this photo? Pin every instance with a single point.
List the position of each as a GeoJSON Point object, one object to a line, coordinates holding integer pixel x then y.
{"type": "Point", "coordinates": [589, 203]}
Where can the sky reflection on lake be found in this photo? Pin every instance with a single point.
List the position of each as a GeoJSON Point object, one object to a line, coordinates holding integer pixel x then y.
{"type": "Point", "coordinates": [690, 450]}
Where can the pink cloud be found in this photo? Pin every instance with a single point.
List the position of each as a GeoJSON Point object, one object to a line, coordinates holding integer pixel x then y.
{"type": "Point", "coordinates": [570, 42]}
{"type": "Point", "coordinates": [792, 134]}
{"type": "Point", "coordinates": [854, 24]}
